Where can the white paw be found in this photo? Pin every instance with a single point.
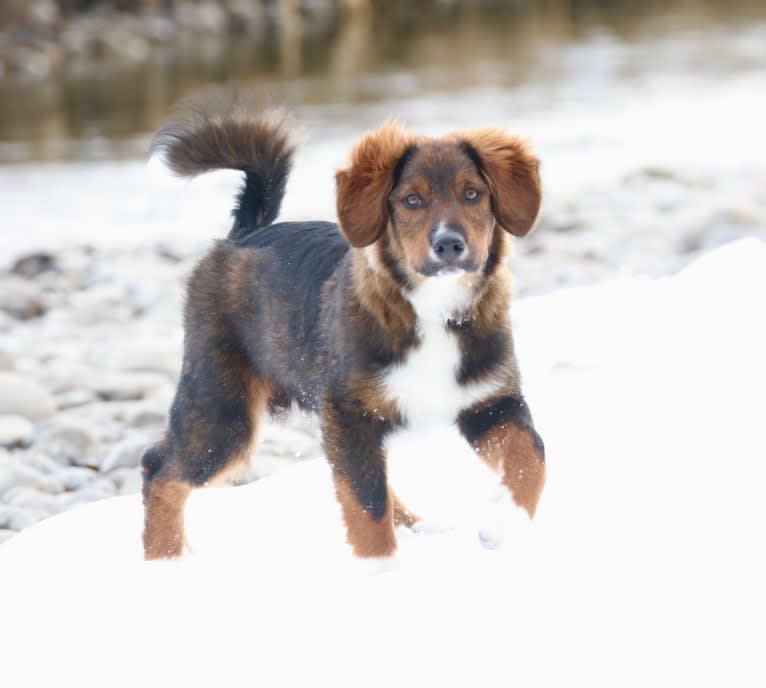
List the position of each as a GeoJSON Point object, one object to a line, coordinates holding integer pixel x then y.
{"type": "Point", "coordinates": [502, 520]}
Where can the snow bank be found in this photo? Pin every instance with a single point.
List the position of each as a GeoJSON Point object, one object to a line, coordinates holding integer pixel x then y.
{"type": "Point", "coordinates": [645, 563]}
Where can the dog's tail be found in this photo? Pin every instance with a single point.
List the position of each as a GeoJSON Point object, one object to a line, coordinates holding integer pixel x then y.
{"type": "Point", "coordinates": [216, 133]}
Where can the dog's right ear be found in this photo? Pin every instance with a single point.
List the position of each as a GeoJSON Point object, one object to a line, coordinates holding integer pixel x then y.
{"type": "Point", "coordinates": [364, 186]}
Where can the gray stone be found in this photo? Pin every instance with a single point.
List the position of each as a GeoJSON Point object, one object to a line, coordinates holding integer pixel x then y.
{"type": "Point", "coordinates": [17, 475]}
{"type": "Point", "coordinates": [72, 478]}
{"type": "Point", "coordinates": [20, 298]}
{"type": "Point", "coordinates": [128, 387]}
{"type": "Point", "coordinates": [147, 418]}
{"type": "Point", "coordinates": [34, 264]}
{"type": "Point", "coordinates": [92, 493]}
{"type": "Point", "coordinates": [14, 518]}
{"type": "Point", "coordinates": [24, 397]}
{"type": "Point", "coordinates": [127, 454]}
{"type": "Point", "coordinates": [32, 458]}
{"type": "Point", "coordinates": [15, 430]}
{"type": "Point", "coordinates": [70, 444]}
{"type": "Point", "coordinates": [24, 497]}
{"type": "Point", "coordinates": [126, 480]}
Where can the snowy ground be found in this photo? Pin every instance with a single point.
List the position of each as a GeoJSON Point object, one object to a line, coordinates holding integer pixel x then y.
{"type": "Point", "coordinates": [645, 565]}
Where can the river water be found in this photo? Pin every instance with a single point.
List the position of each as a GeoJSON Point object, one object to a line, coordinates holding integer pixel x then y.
{"type": "Point", "coordinates": [603, 90]}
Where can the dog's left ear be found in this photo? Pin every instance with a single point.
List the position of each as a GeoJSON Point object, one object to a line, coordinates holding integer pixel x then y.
{"type": "Point", "coordinates": [511, 170]}
{"type": "Point", "coordinates": [364, 186]}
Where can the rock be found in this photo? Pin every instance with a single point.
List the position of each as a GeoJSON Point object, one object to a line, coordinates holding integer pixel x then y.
{"type": "Point", "coordinates": [127, 454]}
{"type": "Point", "coordinates": [14, 518]}
{"type": "Point", "coordinates": [20, 298]}
{"type": "Point", "coordinates": [74, 398]}
{"type": "Point", "coordinates": [126, 480]}
{"type": "Point", "coordinates": [149, 356]}
{"type": "Point", "coordinates": [37, 460]}
{"type": "Point", "coordinates": [147, 418]}
{"type": "Point", "coordinates": [15, 430]}
{"type": "Point", "coordinates": [6, 534]}
{"type": "Point", "coordinates": [34, 264]}
{"type": "Point", "coordinates": [559, 223]}
{"type": "Point", "coordinates": [122, 43]}
{"type": "Point", "coordinates": [204, 17]}
{"type": "Point", "coordinates": [24, 397]}
{"type": "Point", "coordinates": [73, 478]}
{"type": "Point", "coordinates": [25, 497]}
{"type": "Point", "coordinates": [128, 387]}
{"type": "Point", "coordinates": [17, 475]}
{"type": "Point", "coordinates": [92, 493]}
{"type": "Point", "coordinates": [6, 362]}
{"type": "Point", "coordinates": [70, 444]}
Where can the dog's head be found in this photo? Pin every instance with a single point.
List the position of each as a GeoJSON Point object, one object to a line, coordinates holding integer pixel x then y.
{"type": "Point", "coordinates": [438, 201]}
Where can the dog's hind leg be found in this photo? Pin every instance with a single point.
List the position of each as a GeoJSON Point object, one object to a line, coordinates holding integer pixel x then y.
{"type": "Point", "coordinates": [212, 427]}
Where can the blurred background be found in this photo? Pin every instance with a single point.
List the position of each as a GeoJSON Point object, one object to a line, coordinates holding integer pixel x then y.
{"type": "Point", "coordinates": [648, 118]}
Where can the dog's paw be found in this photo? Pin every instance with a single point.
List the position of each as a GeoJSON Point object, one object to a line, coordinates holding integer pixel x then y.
{"type": "Point", "coordinates": [502, 521]}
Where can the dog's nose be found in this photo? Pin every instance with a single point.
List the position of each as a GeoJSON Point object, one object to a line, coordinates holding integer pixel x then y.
{"type": "Point", "coordinates": [449, 247]}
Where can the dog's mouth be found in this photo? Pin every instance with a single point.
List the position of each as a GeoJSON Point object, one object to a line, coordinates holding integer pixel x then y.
{"type": "Point", "coordinates": [439, 269]}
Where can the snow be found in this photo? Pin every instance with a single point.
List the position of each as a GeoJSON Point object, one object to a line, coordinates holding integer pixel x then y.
{"type": "Point", "coordinates": [644, 565]}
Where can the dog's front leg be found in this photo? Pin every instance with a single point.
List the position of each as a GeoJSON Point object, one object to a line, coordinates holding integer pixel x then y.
{"type": "Point", "coordinates": [353, 441]}
{"type": "Point", "coordinates": [503, 435]}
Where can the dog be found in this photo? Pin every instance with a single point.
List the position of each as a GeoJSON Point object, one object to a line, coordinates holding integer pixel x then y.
{"type": "Point", "coordinates": [395, 318]}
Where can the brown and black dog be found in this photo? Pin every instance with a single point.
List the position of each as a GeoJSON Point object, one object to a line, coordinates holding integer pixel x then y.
{"type": "Point", "coordinates": [396, 318]}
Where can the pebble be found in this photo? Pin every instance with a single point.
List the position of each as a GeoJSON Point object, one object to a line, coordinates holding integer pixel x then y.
{"type": "Point", "coordinates": [24, 497]}
{"type": "Point", "coordinates": [69, 444]}
{"type": "Point", "coordinates": [34, 264]}
{"type": "Point", "coordinates": [24, 397]}
{"type": "Point", "coordinates": [73, 478]}
{"type": "Point", "coordinates": [126, 454]}
{"type": "Point", "coordinates": [16, 474]}
{"type": "Point", "coordinates": [92, 493]}
{"type": "Point", "coordinates": [128, 387]}
{"type": "Point", "coordinates": [14, 430]}
{"type": "Point", "coordinates": [15, 518]}
{"type": "Point", "coordinates": [20, 298]}
{"type": "Point", "coordinates": [126, 480]}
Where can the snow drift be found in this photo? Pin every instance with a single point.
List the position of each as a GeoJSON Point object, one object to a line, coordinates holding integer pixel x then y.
{"type": "Point", "coordinates": [645, 563]}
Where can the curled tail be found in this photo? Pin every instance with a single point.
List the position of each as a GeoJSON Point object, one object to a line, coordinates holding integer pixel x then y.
{"type": "Point", "coordinates": [225, 134]}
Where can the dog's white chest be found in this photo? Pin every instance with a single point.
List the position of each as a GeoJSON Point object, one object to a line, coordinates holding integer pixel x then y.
{"type": "Point", "coordinates": [425, 385]}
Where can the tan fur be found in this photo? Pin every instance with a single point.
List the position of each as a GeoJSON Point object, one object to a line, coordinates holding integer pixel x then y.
{"type": "Point", "coordinates": [367, 536]}
{"type": "Point", "coordinates": [510, 449]}
{"type": "Point", "coordinates": [164, 519]}
{"type": "Point", "coordinates": [364, 186]}
{"type": "Point", "coordinates": [512, 174]}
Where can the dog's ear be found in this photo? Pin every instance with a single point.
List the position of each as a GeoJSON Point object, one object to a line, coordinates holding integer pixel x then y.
{"type": "Point", "coordinates": [511, 170]}
{"type": "Point", "coordinates": [364, 186]}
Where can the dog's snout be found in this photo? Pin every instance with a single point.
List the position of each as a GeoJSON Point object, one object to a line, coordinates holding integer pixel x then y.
{"type": "Point", "coordinates": [449, 246]}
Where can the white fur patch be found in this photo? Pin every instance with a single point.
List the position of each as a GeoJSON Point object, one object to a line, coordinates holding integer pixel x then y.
{"type": "Point", "coordinates": [425, 385]}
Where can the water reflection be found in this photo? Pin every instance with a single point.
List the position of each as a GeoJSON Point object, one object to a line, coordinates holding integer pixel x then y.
{"type": "Point", "coordinates": [394, 54]}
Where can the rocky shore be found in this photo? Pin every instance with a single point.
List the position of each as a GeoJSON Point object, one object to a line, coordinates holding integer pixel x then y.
{"type": "Point", "coordinates": [40, 37]}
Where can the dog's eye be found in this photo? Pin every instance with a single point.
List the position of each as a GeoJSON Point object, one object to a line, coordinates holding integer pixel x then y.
{"type": "Point", "coordinates": [471, 194]}
{"type": "Point", "coordinates": [413, 201]}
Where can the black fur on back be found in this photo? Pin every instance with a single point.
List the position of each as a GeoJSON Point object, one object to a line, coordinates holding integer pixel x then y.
{"type": "Point", "coordinates": [212, 133]}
